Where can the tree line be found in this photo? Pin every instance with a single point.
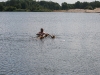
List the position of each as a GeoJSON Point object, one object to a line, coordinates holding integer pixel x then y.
{"type": "Point", "coordinates": [41, 6]}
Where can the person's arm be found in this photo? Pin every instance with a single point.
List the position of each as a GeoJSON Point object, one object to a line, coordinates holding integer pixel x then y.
{"type": "Point", "coordinates": [38, 33]}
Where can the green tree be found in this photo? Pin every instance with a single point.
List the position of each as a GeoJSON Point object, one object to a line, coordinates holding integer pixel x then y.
{"type": "Point", "coordinates": [24, 5]}
{"type": "Point", "coordinates": [51, 5]}
{"type": "Point", "coordinates": [57, 6]}
{"type": "Point", "coordinates": [64, 6]}
{"type": "Point", "coordinates": [89, 7]}
{"type": "Point", "coordinates": [10, 8]}
{"type": "Point", "coordinates": [85, 4]}
{"type": "Point", "coordinates": [1, 7]}
{"type": "Point", "coordinates": [77, 4]}
{"type": "Point", "coordinates": [97, 4]}
{"type": "Point", "coordinates": [42, 5]}
{"type": "Point", "coordinates": [70, 6]}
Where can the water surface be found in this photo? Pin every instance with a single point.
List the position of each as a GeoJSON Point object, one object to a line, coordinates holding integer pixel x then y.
{"type": "Point", "coordinates": [74, 51]}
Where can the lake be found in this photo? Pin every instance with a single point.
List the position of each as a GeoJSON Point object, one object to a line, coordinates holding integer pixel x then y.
{"type": "Point", "coordinates": [74, 51]}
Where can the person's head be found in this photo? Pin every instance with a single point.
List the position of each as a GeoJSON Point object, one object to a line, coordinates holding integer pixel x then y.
{"type": "Point", "coordinates": [42, 30]}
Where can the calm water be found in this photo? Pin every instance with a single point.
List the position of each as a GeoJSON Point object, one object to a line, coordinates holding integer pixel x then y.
{"type": "Point", "coordinates": [74, 51]}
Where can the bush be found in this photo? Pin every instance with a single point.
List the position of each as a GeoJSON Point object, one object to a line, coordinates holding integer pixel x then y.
{"type": "Point", "coordinates": [10, 8]}
{"type": "Point", "coordinates": [1, 7]}
{"type": "Point", "coordinates": [89, 7]}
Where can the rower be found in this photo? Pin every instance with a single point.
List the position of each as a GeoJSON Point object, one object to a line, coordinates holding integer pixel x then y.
{"type": "Point", "coordinates": [42, 35]}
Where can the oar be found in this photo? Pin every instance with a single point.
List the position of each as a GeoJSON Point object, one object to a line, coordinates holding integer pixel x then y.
{"type": "Point", "coordinates": [52, 36]}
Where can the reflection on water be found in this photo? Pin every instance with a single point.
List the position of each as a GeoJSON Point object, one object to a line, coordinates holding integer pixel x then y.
{"type": "Point", "coordinates": [74, 51]}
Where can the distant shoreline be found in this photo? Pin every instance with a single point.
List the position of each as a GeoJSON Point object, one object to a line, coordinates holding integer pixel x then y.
{"type": "Point", "coordinates": [97, 10]}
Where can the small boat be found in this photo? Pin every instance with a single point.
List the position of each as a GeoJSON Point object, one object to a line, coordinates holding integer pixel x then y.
{"type": "Point", "coordinates": [42, 35]}
{"type": "Point", "coordinates": [45, 36]}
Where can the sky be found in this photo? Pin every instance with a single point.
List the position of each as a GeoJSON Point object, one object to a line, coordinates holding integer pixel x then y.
{"type": "Point", "coordinates": [68, 1]}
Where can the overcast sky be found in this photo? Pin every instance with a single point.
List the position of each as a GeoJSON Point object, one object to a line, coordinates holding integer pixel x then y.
{"type": "Point", "coordinates": [68, 1]}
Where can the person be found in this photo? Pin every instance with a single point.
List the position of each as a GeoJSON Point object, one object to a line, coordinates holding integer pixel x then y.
{"type": "Point", "coordinates": [41, 33]}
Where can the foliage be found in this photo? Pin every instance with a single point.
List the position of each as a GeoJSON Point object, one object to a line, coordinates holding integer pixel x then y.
{"type": "Point", "coordinates": [42, 5]}
{"type": "Point", "coordinates": [77, 4]}
{"type": "Point", "coordinates": [1, 7]}
{"type": "Point", "coordinates": [10, 8]}
{"type": "Point", "coordinates": [64, 6]}
{"type": "Point", "coordinates": [89, 7]}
